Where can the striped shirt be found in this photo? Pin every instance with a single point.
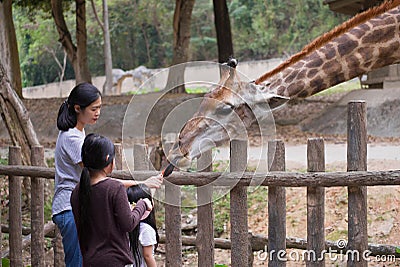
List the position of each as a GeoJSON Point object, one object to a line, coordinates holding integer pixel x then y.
{"type": "Point", "coordinates": [67, 155]}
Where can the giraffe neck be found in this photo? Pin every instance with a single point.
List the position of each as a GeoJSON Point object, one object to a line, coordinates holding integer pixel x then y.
{"type": "Point", "coordinates": [372, 44]}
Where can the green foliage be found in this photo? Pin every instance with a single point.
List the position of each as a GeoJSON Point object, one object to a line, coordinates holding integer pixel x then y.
{"type": "Point", "coordinates": [5, 262]}
{"type": "Point", "coordinates": [142, 34]}
{"type": "Point", "coordinates": [266, 29]}
{"type": "Point", "coordinates": [47, 210]}
{"type": "Point", "coordinates": [221, 214]}
{"type": "Point", "coordinates": [38, 47]}
{"type": "Point", "coordinates": [50, 162]}
{"type": "Point", "coordinates": [3, 161]}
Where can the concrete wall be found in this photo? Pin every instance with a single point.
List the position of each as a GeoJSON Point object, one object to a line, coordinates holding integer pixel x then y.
{"type": "Point", "coordinates": [196, 74]}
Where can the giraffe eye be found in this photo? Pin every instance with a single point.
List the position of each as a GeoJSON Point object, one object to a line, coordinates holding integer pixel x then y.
{"type": "Point", "coordinates": [225, 109]}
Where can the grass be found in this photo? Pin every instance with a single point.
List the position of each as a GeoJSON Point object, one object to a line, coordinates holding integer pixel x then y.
{"type": "Point", "coordinates": [348, 86]}
{"type": "Point", "coordinates": [197, 90]}
{"type": "Point", "coordinates": [3, 161]}
{"type": "Point", "coordinates": [337, 235]}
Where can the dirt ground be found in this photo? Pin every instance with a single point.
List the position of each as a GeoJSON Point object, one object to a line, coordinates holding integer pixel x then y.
{"type": "Point", "coordinates": [383, 201]}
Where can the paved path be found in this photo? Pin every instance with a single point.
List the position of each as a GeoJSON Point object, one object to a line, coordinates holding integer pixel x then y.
{"type": "Point", "coordinates": [297, 155]}
{"type": "Point", "coordinates": [294, 154]}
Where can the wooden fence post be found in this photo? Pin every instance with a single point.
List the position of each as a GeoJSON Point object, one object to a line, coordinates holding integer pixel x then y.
{"type": "Point", "coordinates": [173, 231]}
{"type": "Point", "coordinates": [140, 157]}
{"type": "Point", "coordinates": [357, 202]}
{"type": "Point", "coordinates": [238, 207]}
{"type": "Point", "coordinates": [58, 249]}
{"type": "Point", "coordinates": [276, 207]}
{"type": "Point", "coordinates": [15, 217]}
{"type": "Point", "coordinates": [118, 156]}
{"type": "Point", "coordinates": [37, 209]}
{"type": "Point", "coordinates": [315, 205]}
{"type": "Point", "coordinates": [205, 225]}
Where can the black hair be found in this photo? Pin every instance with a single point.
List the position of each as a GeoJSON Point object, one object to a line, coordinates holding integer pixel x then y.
{"type": "Point", "coordinates": [83, 95]}
{"type": "Point", "coordinates": [135, 193]}
{"type": "Point", "coordinates": [97, 153]}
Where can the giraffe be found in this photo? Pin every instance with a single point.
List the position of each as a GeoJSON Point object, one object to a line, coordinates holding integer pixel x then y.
{"type": "Point", "coordinates": [367, 41]}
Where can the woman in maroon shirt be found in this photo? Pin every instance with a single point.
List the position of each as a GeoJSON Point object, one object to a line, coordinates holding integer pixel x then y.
{"type": "Point", "coordinates": [101, 209]}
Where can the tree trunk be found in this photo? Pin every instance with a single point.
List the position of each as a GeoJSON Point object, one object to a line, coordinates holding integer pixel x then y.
{"type": "Point", "coordinates": [16, 118]}
{"type": "Point", "coordinates": [81, 43]}
{"type": "Point", "coordinates": [77, 55]}
{"type": "Point", "coordinates": [181, 24]}
{"type": "Point", "coordinates": [8, 46]}
{"type": "Point", "coordinates": [223, 29]}
{"type": "Point", "coordinates": [19, 126]}
{"type": "Point", "coordinates": [108, 85]}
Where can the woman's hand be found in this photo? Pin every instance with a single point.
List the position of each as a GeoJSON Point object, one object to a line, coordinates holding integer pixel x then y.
{"type": "Point", "coordinates": [149, 205]}
{"type": "Point", "coordinates": [154, 181]}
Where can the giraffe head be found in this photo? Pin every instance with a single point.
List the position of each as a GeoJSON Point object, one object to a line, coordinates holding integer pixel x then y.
{"type": "Point", "coordinates": [223, 114]}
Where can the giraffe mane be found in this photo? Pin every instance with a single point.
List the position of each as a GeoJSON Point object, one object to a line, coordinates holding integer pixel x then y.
{"type": "Point", "coordinates": [328, 36]}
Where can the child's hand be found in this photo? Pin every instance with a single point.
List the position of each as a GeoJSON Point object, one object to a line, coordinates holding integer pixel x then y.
{"type": "Point", "coordinates": [154, 181]}
{"type": "Point", "coordinates": [148, 204]}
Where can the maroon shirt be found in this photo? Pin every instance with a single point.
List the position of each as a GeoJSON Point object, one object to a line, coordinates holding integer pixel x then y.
{"type": "Point", "coordinates": [110, 221]}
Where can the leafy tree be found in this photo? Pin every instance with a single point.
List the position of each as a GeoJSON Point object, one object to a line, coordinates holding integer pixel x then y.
{"type": "Point", "coordinates": [39, 50]}
{"type": "Point", "coordinates": [141, 33]}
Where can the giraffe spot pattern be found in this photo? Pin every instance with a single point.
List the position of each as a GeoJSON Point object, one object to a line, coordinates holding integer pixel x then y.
{"type": "Point", "coordinates": [390, 50]}
{"type": "Point", "coordinates": [364, 27]}
{"type": "Point", "coordinates": [302, 74]}
{"type": "Point", "coordinates": [337, 78]}
{"type": "Point", "coordinates": [332, 66]}
{"type": "Point", "coordinates": [353, 66]}
{"type": "Point", "coordinates": [291, 77]}
{"type": "Point", "coordinates": [314, 61]}
{"type": "Point", "coordinates": [357, 32]}
{"type": "Point", "coordinates": [329, 51]}
{"type": "Point", "coordinates": [366, 54]}
{"type": "Point", "coordinates": [311, 73]}
{"type": "Point", "coordinates": [383, 35]}
{"type": "Point", "coordinates": [346, 45]}
{"type": "Point", "coordinates": [303, 94]}
{"type": "Point", "coordinates": [294, 88]}
{"type": "Point", "coordinates": [318, 84]}
{"type": "Point", "coordinates": [281, 90]}
{"type": "Point", "coordinates": [352, 62]}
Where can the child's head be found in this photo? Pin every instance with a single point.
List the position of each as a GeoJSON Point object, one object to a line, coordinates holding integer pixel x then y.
{"type": "Point", "coordinates": [81, 97]}
{"type": "Point", "coordinates": [97, 152]}
{"type": "Point", "coordinates": [138, 192]}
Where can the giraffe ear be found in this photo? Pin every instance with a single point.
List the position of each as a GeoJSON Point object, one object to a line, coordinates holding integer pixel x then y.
{"type": "Point", "coordinates": [276, 101]}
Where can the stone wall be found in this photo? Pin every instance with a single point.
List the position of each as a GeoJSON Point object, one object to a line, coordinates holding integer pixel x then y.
{"type": "Point", "coordinates": [196, 71]}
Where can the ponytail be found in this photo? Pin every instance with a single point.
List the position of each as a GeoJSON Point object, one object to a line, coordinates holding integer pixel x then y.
{"type": "Point", "coordinates": [66, 118]}
{"type": "Point", "coordinates": [84, 200]}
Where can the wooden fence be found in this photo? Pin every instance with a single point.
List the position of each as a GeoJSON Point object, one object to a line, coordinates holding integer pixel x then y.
{"type": "Point", "coordinates": [241, 243]}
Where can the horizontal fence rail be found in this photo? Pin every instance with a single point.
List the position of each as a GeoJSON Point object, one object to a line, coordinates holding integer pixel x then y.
{"type": "Point", "coordinates": [287, 179]}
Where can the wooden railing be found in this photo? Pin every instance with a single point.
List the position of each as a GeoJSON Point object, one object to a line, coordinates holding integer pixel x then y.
{"type": "Point", "coordinates": [241, 243]}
